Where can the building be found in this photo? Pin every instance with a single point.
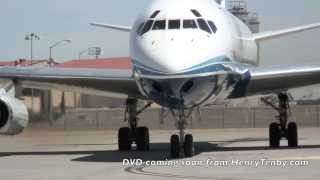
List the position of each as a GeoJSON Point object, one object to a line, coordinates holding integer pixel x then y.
{"type": "Point", "coordinates": [239, 8]}
{"type": "Point", "coordinates": [43, 103]}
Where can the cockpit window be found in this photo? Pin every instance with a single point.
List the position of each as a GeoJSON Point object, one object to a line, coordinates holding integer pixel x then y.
{"type": "Point", "coordinates": [189, 24]}
{"type": "Point", "coordinates": [147, 26]}
{"type": "Point", "coordinates": [155, 14]}
{"type": "Point", "coordinates": [140, 28]}
{"type": "Point", "coordinates": [203, 25]}
{"type": "Point", "coordinates": [196, 13]}
{"type": "Point", "coordinates": [159, 25]}
{"type": "Point", "coordinates": [174, 24]}
{"type": "Point", "coordinates": [213, 26]}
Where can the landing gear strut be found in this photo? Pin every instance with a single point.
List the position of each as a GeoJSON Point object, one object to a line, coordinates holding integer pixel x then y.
{"type": "Point", "coordinates": [181, 144]}
{"type": "Point", "coordinates": [283, 129]}
{"type": "Point", "coordinates": [133, 134]}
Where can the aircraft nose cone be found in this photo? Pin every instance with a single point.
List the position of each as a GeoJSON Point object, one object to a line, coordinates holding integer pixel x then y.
{"type": "Point", "coordinates": [169, 59]}
{"type": "Point", "coordinates": [173, 53]}
{"type": "Point", "coordinates": [168, 62]}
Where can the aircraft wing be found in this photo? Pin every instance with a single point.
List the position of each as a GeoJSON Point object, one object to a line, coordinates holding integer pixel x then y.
{"type": "Point", "coordinates": [263, 36]}
{"type": "Point", "coordinates": [112, 26]}
{"type": "Point", "coordinates": [104, 82]}
{"type": "Point", "coordinates": [279, 79]}
{"type": "Point", "coordinates": [269, 35]}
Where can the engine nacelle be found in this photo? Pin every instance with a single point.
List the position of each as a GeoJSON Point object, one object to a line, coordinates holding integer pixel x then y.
{"type": "Point", "coordinates": [13, 115]}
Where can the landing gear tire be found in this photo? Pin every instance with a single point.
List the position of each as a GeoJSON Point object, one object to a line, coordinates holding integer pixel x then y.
{"type": "Point", "coordinates": [274, 135]}
{"type": "Point", "coordinates": [175, 146]}
{"type": "Point", "coordinates": [124, 139]}
{"type": "Point", "coordinates": [292, 134]}
{"type": "Point", "coordinates": [142, 139]}
{"type": "Point", "coordinates": [188, 146]}
{"type": "Point", "coordinates": [283, 129]}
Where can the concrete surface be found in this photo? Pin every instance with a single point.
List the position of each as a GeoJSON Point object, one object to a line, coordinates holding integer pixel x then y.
{"type": "Point", "coordinates": [87, 155]}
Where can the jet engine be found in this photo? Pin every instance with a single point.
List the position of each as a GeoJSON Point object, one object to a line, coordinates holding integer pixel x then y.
{"type": "Point", "coordinates": [13, 115]}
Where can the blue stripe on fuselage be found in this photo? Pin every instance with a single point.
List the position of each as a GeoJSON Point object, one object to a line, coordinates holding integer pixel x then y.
{"type": "Point", "coordinates": [213, 65]}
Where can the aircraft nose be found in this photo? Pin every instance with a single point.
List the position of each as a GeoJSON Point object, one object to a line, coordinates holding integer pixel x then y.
{"type": "Point", "coordinates": [168, 59]}
{"type": "Point", "coordinates": [172, 52]}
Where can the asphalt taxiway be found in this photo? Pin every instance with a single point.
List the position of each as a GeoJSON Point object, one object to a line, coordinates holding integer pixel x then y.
{"type": "Point", "coordinates": [228, 154]}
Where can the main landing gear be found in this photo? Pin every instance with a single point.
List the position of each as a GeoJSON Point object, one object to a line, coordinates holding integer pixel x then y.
{"type": "Point", "coordinates": [133, 134]}
{"type": "Point", "coordinates": [181, 144]}
{"type": "Point", "coordinates": [283, 129]}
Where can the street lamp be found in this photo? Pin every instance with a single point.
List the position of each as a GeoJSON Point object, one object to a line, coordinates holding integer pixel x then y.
{"type": "Point", "coordinates": [54, 45]}
{"type": "Point", "coordinates": [82, 52]}
{"type": "Point", "coordinates": [30, 37]}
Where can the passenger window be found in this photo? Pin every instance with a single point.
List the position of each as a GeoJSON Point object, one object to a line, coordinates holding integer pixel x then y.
{"type": "Point", "coordinates": [203, 25]}
{"type": "Point", "coordinates": [196, 13]}
{"type": "Point", "coordinates": [140, 28]}
{"type": "Point", "coordinates": [155, 14]}
{"type": "Point", "coordinates": [213, 26]}
{"type": "Point", "coordinates": [147, 26]}
{"type": "Point", "coordinates": [174, 24]}
{"type": "Point", "coordinates": [159, 25]}
{"type": "Point", "coordinates": [189, 24]}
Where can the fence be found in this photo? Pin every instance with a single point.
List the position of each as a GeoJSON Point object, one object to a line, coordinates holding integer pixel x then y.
{"type": "Point", "coordinates": [209, 118]}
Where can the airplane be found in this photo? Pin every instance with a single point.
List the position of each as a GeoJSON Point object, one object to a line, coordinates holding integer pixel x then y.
{"type": "Point", "coordinates": [186, 55]}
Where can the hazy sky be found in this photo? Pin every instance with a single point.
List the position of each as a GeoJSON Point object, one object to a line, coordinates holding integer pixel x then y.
{"type": "Point", "coordinates": [61, 19]}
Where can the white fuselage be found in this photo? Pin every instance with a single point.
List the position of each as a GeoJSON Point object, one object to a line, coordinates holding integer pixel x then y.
{"type": "Point", "coordinates": [174, 39]}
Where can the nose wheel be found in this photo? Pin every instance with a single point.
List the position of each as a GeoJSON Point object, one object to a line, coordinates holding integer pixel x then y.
{"type": "Point", "coordinates": [181, 145]}
{"type": "Point", "coordinates": [175, 146]}
{"type": "Point", "coordinates": [283, 129]}
{"type": "Point", "coordinates": [187, 148]}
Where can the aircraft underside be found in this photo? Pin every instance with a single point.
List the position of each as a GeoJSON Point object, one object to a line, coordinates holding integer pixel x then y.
{"type": "Point", "coordinates": [184, 95]}
{"type": "Point", "coordinates": [189, 92]}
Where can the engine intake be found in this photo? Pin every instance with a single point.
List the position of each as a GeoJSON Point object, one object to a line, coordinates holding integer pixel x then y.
{"type": "Point", "coordinates": [13, 115]}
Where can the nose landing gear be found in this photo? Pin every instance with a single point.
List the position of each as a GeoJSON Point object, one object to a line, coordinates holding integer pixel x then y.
{"type": "Point", "coordinates": [283, 129]}
{"type": "Point", "coordinates": [182, 144]}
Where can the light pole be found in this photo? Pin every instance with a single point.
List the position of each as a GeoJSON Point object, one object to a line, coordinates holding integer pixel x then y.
{"type": "Point", "coordinates": [30, 37]}
{"type": "Point", "coordinates": [54, 45]}
{"type": "Point", "coordinates": [82, 52]}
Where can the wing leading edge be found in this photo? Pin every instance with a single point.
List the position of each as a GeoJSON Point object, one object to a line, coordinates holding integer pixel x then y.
{"type": "Point", "coordinates": [279, 79]}
{"type": "Point", "coordinates": [263, 36]}
{"type": "Point", "coordinates": [119, 83]}
{"type": "Point", "coordinates": [104, 82]}
{"type": "Point", "coordinates": [112, 26]}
